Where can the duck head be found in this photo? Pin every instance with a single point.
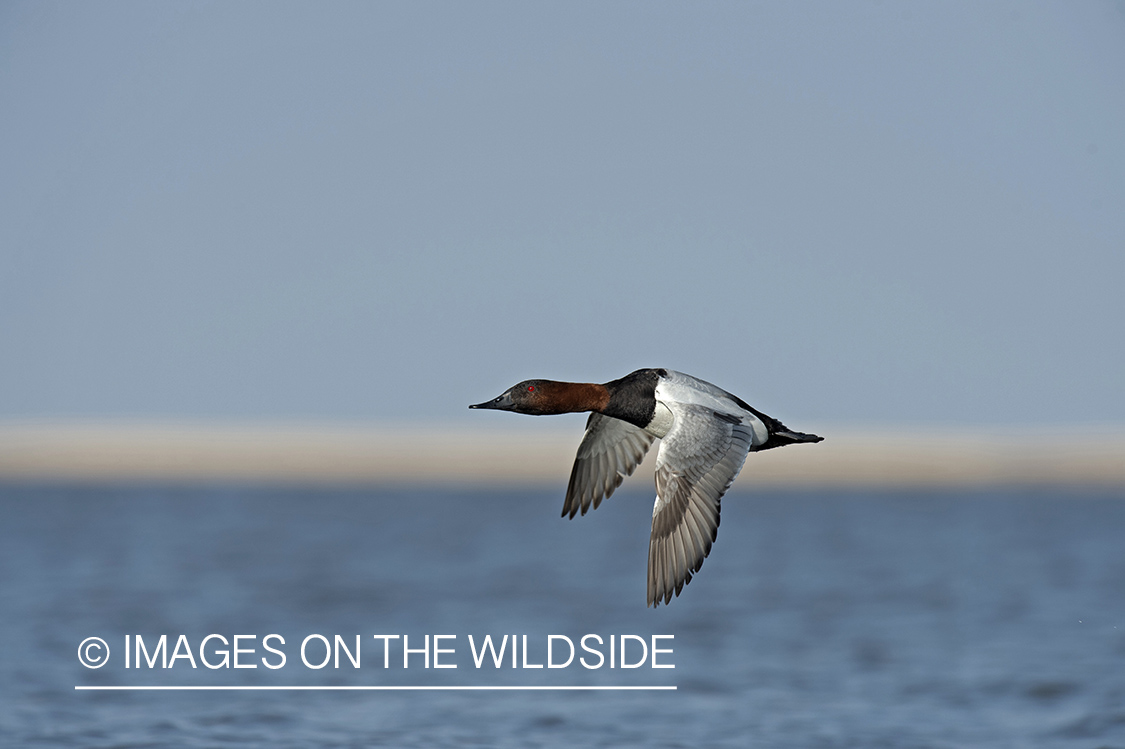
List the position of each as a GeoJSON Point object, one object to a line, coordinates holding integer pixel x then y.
{"type": "Point", "coordinates": [526, 397]}
{"type": "Point", "coordinates": [547, 397]}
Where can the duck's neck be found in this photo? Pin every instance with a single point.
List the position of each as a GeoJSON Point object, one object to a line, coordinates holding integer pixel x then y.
{"type": "Point", "coordinates": [573, 397]}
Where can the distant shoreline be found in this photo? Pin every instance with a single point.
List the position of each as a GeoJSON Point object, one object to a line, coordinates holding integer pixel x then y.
{"type": "Point", "coordinates": [110, 452]}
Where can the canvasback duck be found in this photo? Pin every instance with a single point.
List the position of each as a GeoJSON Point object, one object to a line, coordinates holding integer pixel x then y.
{"type": "Point", "coordinates": [706, 434]}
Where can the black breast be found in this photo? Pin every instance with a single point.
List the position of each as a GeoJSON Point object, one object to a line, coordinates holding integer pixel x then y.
{"type": "Point", "coordinates": [633, 397]}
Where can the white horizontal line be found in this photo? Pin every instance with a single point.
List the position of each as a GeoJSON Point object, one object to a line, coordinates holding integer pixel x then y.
{"type": "Point", "coordinates": [379, 688]}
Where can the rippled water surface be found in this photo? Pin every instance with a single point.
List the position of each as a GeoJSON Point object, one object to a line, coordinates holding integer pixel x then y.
{"type": "Point", "coordinates": [930, 619]}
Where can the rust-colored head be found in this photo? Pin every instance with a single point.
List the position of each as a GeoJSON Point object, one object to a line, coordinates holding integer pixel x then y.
{"type": "Point", "coordinates": [547, 397]}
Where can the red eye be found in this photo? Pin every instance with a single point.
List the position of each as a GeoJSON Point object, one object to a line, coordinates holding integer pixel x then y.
{"type": "Point", "coordinates": [531, 388]}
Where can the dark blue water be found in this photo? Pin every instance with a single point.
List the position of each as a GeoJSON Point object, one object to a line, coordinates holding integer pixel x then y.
{"type": "Point", "coordinates": [924, 619]}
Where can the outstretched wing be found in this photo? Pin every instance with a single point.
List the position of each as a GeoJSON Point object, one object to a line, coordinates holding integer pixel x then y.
{"type": "Point", "coordinates": [698, 460]}
{"type": "Point", "coordinates": [610, 450]}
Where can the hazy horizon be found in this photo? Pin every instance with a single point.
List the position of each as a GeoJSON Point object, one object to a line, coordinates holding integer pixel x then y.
{"type": "Point", "coordinates": [533, 453]}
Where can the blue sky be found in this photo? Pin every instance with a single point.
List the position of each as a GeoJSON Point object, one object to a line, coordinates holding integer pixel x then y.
{"type": "Point", "coordinates": [868, 213]}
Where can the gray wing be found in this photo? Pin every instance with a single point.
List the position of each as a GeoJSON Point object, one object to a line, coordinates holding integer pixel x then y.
{"type": "Point", "coordinates": [697, 462]}
{"type": "Point", "coordinates": [610, 450]}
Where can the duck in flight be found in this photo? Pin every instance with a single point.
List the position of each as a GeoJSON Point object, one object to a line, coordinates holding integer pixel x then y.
{"type": "Point", "coordinates": [706, 434]}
